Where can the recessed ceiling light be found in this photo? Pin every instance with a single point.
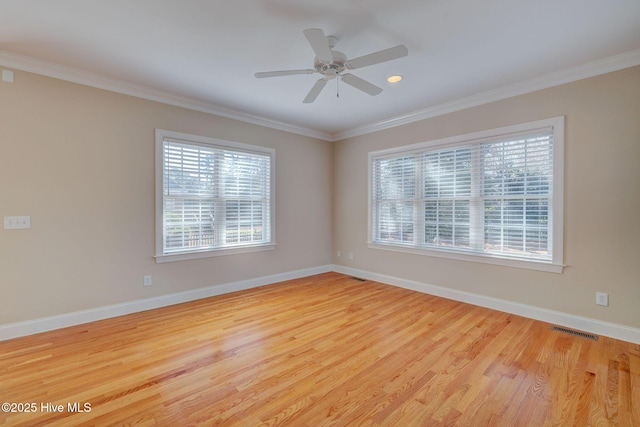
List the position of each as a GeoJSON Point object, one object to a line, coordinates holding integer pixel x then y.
{"type": "Point", "coordinates": [394, 79]}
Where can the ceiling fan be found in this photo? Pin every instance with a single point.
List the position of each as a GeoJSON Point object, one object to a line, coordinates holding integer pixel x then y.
{"type": "Point", "coordinates": [331, 64]}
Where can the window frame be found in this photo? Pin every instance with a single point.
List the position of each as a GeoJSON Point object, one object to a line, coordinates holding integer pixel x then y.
{"type": "Point", "coordinates": [555, 265]}
{"type": "Point", "coordinates": [160, 136]}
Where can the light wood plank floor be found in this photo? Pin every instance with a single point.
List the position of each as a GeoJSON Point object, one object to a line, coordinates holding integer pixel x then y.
{"type": "Point", "coordinates": [323, 350]}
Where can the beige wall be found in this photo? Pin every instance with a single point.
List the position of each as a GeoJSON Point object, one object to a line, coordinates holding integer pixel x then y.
{"type": "Point", "coordinates": [602, 201]}
{"type": "Point", "coordinates": [80, 162]}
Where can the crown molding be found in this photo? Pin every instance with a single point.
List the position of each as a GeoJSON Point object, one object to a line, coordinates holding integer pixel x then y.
{"type": "Point", "coordinates": [74, 75]}
{"type": "Point", "coordinates": [50, 69]}
{"type": "Point", "coordinates": [607, 65]}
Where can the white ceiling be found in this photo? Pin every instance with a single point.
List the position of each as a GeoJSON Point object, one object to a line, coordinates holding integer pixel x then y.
{"type": "Point", "coordinates": [203, 53]}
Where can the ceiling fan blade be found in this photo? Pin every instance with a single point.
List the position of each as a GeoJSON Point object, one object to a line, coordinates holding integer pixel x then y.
{"type": "Point", "coordinates": [319, 44]}
{"type": "Point", "coordinates": [264, 74]}
{"type": "Point", "coordinates": [315, 91]}
{"type": "Point", "coordinates": [378, 57]}
{"type": "Point", "coordinates": [361, 84]}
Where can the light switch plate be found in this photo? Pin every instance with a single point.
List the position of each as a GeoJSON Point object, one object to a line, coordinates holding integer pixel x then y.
{"type": "Point", "coordinates": [17, 222]}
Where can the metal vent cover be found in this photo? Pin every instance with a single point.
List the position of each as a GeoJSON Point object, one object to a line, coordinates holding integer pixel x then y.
{"type": "Point", "coordinates": [576, 333]}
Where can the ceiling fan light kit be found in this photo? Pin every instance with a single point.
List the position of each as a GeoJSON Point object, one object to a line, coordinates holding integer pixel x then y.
{"type": "Point", "coordinates": [332, 64]}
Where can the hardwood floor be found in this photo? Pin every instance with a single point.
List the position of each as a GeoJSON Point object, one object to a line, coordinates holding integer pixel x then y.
{"type": "Point", "coordinates": [323, 350]}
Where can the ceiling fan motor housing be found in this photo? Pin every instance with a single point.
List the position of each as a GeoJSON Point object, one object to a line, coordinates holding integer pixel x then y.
{"type": "Point", "coordinates": [330, 70]}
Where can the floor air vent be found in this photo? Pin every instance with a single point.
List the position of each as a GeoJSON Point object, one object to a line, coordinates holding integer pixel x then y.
{"type": "Point", "coordinates": [359, 279]}
{"type": "Point", "coordinates": [576, 333]}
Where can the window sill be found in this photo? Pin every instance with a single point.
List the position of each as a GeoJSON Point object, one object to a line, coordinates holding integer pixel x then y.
{"type": "Point", "coordinates": [484, 259]}
{"type": "Point", "coordinates": [183, 256]}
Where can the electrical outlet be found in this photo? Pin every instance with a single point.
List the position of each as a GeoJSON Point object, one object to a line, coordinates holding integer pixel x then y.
{"type": "Point", "coordinates": [602, 298]}
{"type": "Point", "coordinates": [147, 281]}
{"type": "Point", "coordinates": [7, 76]}
{"type": "Point", "coordinates": [350, 255]}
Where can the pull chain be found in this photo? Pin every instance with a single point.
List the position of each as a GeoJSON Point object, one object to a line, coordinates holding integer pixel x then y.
{"type": "Point", "coordinates": [338, 87]}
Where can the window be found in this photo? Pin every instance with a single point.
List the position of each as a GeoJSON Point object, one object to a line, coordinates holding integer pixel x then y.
{"type": "Point", "coordinates": [492, 196]}
{"type": "Point", "coordinates": [212, 197]}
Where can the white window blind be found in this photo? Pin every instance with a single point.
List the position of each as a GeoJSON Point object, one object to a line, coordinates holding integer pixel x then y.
{"type": "Point", "coordinates": [213, 197]}
{"type": "Point", "coordinates": [477, 195]}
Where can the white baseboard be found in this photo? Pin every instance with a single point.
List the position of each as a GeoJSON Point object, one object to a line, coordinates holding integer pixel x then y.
{"type": "Point", "coordinates": [586, 324]}
{"type": "Point", "coordinates": [613, 330]}
{"type": "Point", "coordinates": [15, 330]}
